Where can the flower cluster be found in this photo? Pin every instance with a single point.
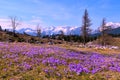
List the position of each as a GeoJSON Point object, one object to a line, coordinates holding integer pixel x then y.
{"type": "Point", "coordinates": [53, 62]}
{"type": "Point", "coordinates": [28, 57]}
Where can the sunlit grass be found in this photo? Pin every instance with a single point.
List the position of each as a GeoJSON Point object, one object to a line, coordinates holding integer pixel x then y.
{"type": "Point", "coordinates": [102, 51]}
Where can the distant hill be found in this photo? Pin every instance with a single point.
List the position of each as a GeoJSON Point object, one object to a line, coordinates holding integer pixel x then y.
{"type": "Point", "coordinates": [114, 31]}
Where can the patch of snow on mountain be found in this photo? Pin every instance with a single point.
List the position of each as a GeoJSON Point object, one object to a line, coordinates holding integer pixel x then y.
{"type": "Point", "coordinates": [113, 25]}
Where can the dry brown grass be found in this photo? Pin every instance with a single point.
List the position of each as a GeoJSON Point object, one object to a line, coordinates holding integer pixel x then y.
{"type": "Point", "coordinates": [116, 42]}
{"type": "Point", "coordinates": [102, 51]}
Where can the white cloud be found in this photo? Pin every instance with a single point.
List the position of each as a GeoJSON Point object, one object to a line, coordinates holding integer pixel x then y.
{"type": "Point", "coordinates": [26, 25]}
{"type": "Point", "coordinates": [6, 24]}
{"type": "Point", "coordinates": [36, 20]}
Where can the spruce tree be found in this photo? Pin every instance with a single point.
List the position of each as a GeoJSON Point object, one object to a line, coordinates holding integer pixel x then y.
{"type": "Point", "coordinates": [85, 29]}
{"type": "Point", "coordinates": [0, 28]}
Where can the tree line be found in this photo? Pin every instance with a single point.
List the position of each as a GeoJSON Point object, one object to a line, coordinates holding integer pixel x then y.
{"type": "Point", "coordinates": [84, 37]}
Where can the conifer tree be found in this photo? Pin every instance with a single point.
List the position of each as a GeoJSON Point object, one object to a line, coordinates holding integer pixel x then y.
{"type": "Point", "coordinates": [85, 29]}
{"type": "Point", "coordinates": [0, 28]}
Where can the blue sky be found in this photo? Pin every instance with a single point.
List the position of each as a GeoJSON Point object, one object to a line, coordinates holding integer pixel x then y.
{"type": "Point", "coordinates": [60, 12]}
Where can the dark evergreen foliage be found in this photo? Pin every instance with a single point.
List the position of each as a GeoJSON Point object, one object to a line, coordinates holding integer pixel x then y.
{"type": "Point", "coordinates": [85, 29]}
{"type": "Point", "coordinates": [0, 28]}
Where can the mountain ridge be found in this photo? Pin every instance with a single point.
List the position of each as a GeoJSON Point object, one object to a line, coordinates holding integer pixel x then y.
{"type": "Point", "coordinates": [67, 30]}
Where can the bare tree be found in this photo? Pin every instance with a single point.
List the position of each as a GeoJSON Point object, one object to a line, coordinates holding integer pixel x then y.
{"type": "Point", "coordinates": [104, 35]}
{"type": "Point", "coordinates": [38, 30]}
{"type": "Point", "coordinates": [14, 23]}
{"type": "Point", "coordinates": [102, 29]}
{"type": "Point", "coordinates": [85, 29]}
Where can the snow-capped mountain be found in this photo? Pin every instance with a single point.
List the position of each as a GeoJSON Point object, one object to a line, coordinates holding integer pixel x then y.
{"type": "Point", "coordinates": [115, 29]}
{"type": "Point", "coordinates": [113, 25]}
{"type": "Point", "coordinates": [74, 30]}
{"type": "Point", "coordinates": [53, 30]}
